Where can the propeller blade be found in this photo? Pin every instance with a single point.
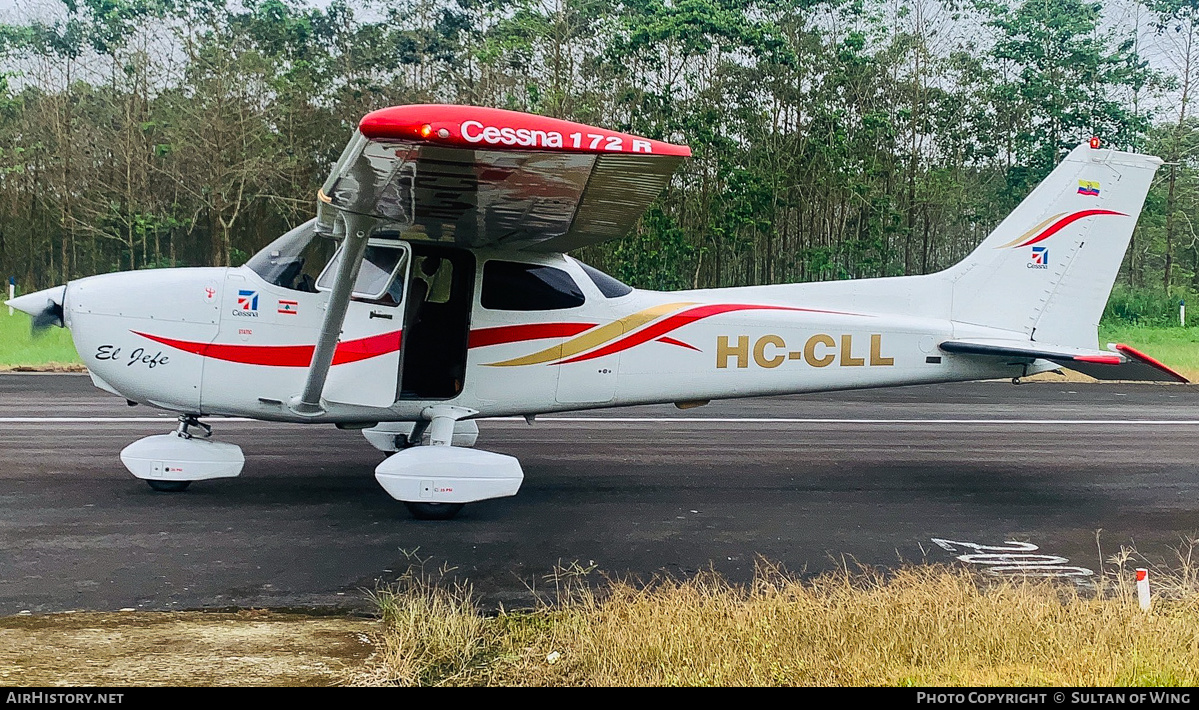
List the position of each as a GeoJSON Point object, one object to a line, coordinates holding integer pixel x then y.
{"type": "Point", "coordinates": [48, 316]}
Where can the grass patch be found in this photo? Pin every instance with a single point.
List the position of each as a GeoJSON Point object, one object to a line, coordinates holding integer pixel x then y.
{"type": "Point", "coordinates": [50, 349]}
{"type": "Point", "coordinates": [921, 625]}
{"type": "Point", "coordinates": [915, 626]}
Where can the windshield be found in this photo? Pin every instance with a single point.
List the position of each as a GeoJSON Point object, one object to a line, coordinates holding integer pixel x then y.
{"type": "Point", "coordinates": [295, 259]}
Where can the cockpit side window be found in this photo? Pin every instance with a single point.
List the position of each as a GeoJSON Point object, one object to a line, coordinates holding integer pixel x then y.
{"type": "Point", "coordinates": [377, 277]}
{"type": "Point", "coordinates": [513, 286]}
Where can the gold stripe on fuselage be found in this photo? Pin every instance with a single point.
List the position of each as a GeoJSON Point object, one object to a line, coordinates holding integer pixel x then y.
{"type": "Point", "coordinates": [594, 337]}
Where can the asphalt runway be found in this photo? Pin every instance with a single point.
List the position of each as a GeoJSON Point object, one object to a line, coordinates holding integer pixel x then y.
{"type": "Point", "coordinates": [808, 482]}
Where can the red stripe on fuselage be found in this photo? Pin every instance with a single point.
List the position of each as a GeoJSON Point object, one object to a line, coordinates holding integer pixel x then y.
{"type": "Point", "coordinates": [361, 349]}
{"type": "Point", "coordinates": [1066, 221]}
{"type": "Point", "coordinates": [482, 337]}
{"type": "Point", "coordinates": [285, 355]}
{"type": "Point", "coordinates": [375, 345]}
{"type": "Point", "coordinates": [671, 341]}
{"type": "Point", "coordinates": [678, 320]}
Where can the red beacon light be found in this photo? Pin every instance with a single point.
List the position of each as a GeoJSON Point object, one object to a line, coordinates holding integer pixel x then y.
{"type": "Point", "coordinates": [1094, 142]}
{"type": "Point", "coordinates": [426, 131]}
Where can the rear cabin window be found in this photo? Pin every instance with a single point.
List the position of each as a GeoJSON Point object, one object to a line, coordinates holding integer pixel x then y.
{"type": "Point", "coordinates": [512, 286]}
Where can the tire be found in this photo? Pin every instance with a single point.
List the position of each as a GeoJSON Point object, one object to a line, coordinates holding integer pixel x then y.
{"type": "Point", "coordinates": [169, 486]}
{"type": "Point", "coordinates": [434, 511]}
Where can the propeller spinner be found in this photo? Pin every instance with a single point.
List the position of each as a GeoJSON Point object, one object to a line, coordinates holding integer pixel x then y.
{"type": "Point", "coordinates": [44, 306]}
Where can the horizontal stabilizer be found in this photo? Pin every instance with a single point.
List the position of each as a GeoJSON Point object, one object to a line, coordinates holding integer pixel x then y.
{"type": "Point", "coordinates": [1120, 363]}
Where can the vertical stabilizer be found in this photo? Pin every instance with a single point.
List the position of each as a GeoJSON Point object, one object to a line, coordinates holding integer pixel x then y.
{"type": "Point", "coordinates": [1047, 270]}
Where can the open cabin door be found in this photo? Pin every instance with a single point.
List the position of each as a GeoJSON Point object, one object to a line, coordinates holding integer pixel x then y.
{"type": "Point", "coordinates": [366, 366]}
{"type": "Point", "coordinates": [437, 316]}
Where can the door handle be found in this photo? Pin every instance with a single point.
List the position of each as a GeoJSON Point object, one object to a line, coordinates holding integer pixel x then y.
{"type": "Point", "coordinates": [377, 314]}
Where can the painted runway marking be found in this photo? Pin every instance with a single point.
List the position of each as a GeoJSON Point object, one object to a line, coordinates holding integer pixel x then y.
{"type": "Point", "coordinates": [652, 420]}
{"type": "Point", "coordinates": [796, 420]}
{"type": "Point", "coordinates": [112, 420]}
{"type": "Point", "coordinates": [1013, 558]}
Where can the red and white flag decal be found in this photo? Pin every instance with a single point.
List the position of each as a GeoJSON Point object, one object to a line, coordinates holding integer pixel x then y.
{"type": "Point", "coordinates": [289, 306]}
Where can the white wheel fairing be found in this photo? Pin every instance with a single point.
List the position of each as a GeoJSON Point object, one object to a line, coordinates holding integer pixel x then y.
{"type": "Point", "coordinates": [448, 474]}
{"type": "Point", "coordinates": [170, 457]}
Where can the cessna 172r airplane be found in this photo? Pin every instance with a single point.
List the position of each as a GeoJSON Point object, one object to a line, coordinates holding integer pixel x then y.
{"type": "Point", "coordinates": [433, 288]}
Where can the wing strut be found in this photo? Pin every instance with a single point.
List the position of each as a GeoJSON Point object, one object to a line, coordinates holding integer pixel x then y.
{"type": "Point", "coordinates": [358, 228]}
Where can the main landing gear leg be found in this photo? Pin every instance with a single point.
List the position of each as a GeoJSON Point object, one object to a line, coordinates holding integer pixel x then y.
{"type": "Point", "coordinates": [440, 426]}
{"type": "Point", "coordinates": [434, 481]}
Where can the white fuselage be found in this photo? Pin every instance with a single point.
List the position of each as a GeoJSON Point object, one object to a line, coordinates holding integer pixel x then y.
{"type": "Point", "coordinates": [224, 341]}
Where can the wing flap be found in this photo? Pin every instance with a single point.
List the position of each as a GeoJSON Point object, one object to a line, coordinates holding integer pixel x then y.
{"type": "Point", "coordinates": [479, 177]}
{"type": "Point", "coordinates": [1121, 363]}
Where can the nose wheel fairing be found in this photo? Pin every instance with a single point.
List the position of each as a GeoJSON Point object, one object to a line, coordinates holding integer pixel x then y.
{"type": "Point", "coordinates": [182, 456]}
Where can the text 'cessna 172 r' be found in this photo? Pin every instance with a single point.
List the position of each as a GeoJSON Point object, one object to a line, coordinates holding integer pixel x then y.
{"type": "Point", "coordinates": [433, 288]}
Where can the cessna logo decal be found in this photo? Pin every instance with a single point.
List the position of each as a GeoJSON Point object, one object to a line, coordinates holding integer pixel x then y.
{"type": "Point", "coordinates": [820, 350]}
{"type": "Point", "coordinates": [650, 324]}
{"type": "Point", "coordinates": [1039, 258]}
{"type": "Point", "coordinates": [1053, 225]}
{"type": "Point", "coordinates": [247, 303]}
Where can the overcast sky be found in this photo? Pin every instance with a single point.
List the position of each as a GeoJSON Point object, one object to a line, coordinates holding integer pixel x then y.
{"type": "Point", "coordinates": [1117, 13]}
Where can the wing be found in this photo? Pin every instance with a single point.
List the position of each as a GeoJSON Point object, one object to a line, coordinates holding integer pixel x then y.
{"type": "Point", "coordinates": [1121, 363]}
{"type": "Point", "coordinates": [479, 177]}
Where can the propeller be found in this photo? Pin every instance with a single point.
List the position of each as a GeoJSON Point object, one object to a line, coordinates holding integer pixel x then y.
{"type": "Point", "coordinates": [44, 306]}
{"type": "Point", "coordinates": [51, 315]}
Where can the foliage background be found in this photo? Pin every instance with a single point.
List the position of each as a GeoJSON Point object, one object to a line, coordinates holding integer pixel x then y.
{"type": "Point", "coordinates": [832, 138]}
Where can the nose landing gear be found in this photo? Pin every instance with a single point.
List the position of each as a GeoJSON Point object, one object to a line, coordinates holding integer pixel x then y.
{"type": "Point", "coordinates": [170, 462]}
{"type": "Point", "coordinates": [187, 421]}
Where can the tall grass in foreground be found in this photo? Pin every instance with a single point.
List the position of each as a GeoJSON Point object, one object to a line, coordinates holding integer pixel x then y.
{"type": "Point", "coordinates": [920, 625]}
{"type": "Point", "coordinates": [1175, 346]}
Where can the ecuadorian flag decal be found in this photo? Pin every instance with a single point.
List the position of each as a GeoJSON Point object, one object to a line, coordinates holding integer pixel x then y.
{"type": "Point", "coordinates": [1089, 188]}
